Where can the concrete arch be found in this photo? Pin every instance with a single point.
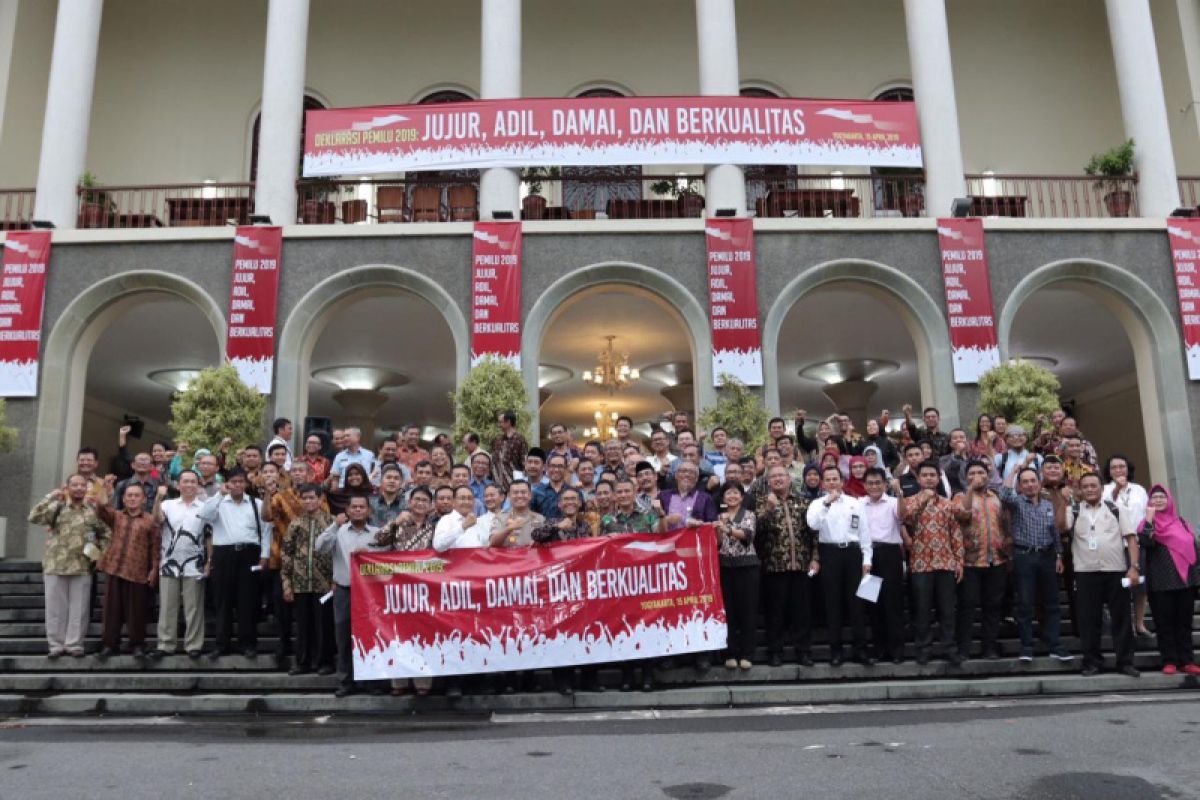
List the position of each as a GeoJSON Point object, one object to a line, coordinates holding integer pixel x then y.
{"type": "Point", "coordinates": [921, 314]}
{"type": "Point", "coordinates": [66, 353]}
{"type": "Point", "coordinates": [611, 86]}
{"type": "Point", "coordinates": [619, 273]}
{"type": "Point", "coordinates": [308, 319]}
{"type": "Point", "coordinates": [765, 86]}
{"type": "Point", "coordinates": [434, 88]}
{"type": "Point", "coordinates": [1158, 356]}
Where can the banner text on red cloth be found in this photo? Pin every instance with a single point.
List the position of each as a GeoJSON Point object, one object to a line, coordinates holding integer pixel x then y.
{"type": "Point", "coordinates": [1185, 253]}
{"type": "Point", "coordinates": [26, 256]}
{"type": "Point", "coordinates": [733, 300]}
{"type": "Point", "coordinates": [250, 344]}
{"type": "Point", "coordinates": [496, 292]}
{"type": "Point", "coordinates": [586, 601]}
{"type": "Point", "coordinates": [523, 132]}
{"type": "Point", "coordinates": [968, 298]}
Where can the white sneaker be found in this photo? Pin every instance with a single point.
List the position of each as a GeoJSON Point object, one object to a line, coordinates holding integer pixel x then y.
{"type": "Point", "coordinates": [731, 663]}
{"type": "Point", "coordinates": [745, 663]}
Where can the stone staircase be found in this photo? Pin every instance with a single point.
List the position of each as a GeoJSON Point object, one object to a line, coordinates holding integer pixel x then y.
{"type": "Point", "coordinates": [30, 683]}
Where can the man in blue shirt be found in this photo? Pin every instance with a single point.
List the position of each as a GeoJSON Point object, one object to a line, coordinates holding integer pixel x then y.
{"type": "Point", "coordinates": [353, 454]}
{"type": "Point", "coordinates": [545, 495]}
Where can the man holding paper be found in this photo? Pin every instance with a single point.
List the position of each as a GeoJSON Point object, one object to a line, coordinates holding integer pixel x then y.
{"type": "Point", "coordinates": [935, 548]}
{"type": "Point", "coordinates": [1101, 533]}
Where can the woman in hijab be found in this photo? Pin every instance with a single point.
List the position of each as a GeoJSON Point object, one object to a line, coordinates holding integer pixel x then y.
{"type": "Point", "coordinates": [1172, 577]}
{"type": "Point", "coordinates": [854, 486]}
{"type": "Point", "coordinates": [831, 457]}
{"type": "Point", "coordinates": [810, 487]}
{"type": "Point", "coordinates": [358, 484]}
{"type": "Point", "coordinates": [877, 437]}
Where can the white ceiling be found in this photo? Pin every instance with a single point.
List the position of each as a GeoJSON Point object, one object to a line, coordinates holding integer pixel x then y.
{"type": "Point", "coordinates": [646, 328]}
{"type": "Point", "coordinates": [159, 332]}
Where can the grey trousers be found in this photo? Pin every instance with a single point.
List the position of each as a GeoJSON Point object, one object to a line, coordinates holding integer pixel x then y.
{"type": "Point", "coordinates": [171, 591]}
{"type": "Point", "coordinates": [67, 606]}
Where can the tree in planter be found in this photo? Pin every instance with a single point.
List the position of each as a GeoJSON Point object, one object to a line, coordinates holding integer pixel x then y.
{"type": "Point", "coordinates": [492, 386]}
{"type": "Point", "coordinates": [216, 405]}
{"type": "Point", "coordinates": [686, 192]}
{"type": "Point", "coordinates": [739, 411]}
{"type": "Point", "coordinates": [1019, 391]}
{"type": "Point", "coordinates": [8, 435]}
{"type": "Point", "coordinates": [534, 202]}
{"type": "Point", "coordinates": [97, 209]}
{"type": "Point", "coordinates": [1113, 166]}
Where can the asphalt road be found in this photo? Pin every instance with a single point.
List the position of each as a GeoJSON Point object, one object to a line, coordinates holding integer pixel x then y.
{"type": "Point", "coordinates": [1090, 749]}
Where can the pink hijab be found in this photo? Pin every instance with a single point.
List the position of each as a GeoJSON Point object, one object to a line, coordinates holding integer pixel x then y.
{"type": "Point", "coordinates": [1173, 533]}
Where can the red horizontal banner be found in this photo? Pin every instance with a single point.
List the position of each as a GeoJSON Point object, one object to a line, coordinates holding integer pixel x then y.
{"type": "Point", "coordinates": [613, 598]}
{"type": "Point", "coordinates": [26, 256]}
{"type": "Point", "coordinates": [610, 130]}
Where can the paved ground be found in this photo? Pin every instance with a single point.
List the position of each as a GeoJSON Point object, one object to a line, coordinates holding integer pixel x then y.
{"type": "Point", "coordinates": [1048, 749]}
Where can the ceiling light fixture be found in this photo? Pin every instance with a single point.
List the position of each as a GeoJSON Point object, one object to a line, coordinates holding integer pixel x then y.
{"type": "Point", "coordinates": [612, 370]}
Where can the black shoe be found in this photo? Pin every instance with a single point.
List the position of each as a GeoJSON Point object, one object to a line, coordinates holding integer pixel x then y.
{"type": "Point", "coordinates": [805, 660]}
{"type": "Point", "coordinates": [157, 655]}
{"type": "Point", "coordinates": [214, 654]}
{"type": "Point", "coordinates": [956, 659]}
{"type": "Point", "coordinates": [835, 660]}
{"type": "Point", "coordinates": [594, 686]}
{"type": "Point", "coordinates": [138, 654]}
{"type": "Point", "coordinates": [775, 660]}
{"type": "Point", "coordinates": [864, 659]}
{"type": "Point", "coordinates": [344, 691]}
{"type": "Point", "coordinates": [250, 652]}
{"type": "Point", "coordinates": [991, 653]}
{"type": "Point", "coordinates": [105, 653]}
{"type": "Point", "coordinates": [193, 654]}
{"type": "Point", "coordinates": [565, 688]}
{"type": "Point", "coordinates": [375, 691]}
{"type": "Point", "coordinates": [454, 690]}
{"type": "Point", "coordinates": [898, 660]}
{"type": "Point", "coordinates": [1089, 671]}
{"type": "Point", "coordinates": [299, 670]}
{"type": "Point", "coordinates": [647, 685]}
{"type": "Point", "coordinates": [626, 686]}
{"type": "Point", "coordinates": [922, 659]}
{"type": "Point", "coordinates": [326, 670]}
{"type": "Point", "coordinates": [1130, 671]}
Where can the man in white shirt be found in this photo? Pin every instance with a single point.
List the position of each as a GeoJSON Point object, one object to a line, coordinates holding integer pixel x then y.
{"type": "Point", "coordinates": [844, 544]}
{"type": "Point", "coordinates": [661, 457]}
{"type": "Point", "coordinates": [493, 501]}
{"type": "Point", "coordinates": [283, 435]}
{"type": "Point", "coordinates": [881, 516]}
{"type": "Point", "coordinates": [241, 541]}
{"type": "Point", "coordinates": [348, 534]}
{"type": "Point", "coordinates": [182, 567]}
{"type": "Point", "coordinates": [353, 454]}
{"type": "Point", "coordinates": [461, 528]}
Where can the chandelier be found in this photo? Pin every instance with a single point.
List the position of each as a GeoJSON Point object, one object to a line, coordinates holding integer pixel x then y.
{"type": "Point", "coordinates": [612, 370]}
{"type": "Point", "coordinates": [606, 424]}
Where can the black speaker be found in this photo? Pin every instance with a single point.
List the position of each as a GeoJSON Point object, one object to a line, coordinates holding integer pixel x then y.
{"type": "Point", "coordinates": [136, 426]}
{"type": "Point", "coordinates": [321, 426]}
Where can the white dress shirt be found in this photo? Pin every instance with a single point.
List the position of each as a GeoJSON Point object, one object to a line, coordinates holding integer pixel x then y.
{"type": "Point", "coordinates": [450, 533]}
{"type": "Point", "coordinates": [1133, 499]}
{"type": "Point", "coordinates": [342, 540]}
{"type": "Point", "coordinates": [182, 544]}
{"type": "Point", "coordinates": [840, 523]}
{"type": "Point", "coordinates": [882, 519]}
{"type": "Point", "coordinates": [237, 522]}
{"type": "Point", "coordinates": [287, 464]}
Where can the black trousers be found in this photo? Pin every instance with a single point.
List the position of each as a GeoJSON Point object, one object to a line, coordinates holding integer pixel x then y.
{"type": "Point", "coordinates": [981, 587]}
{"type": "Point", "coordinates": [789, 598]}
{"type": "Point", "coordinates": [1094, 591]}
{"type": "Point", "coordinates": [341, 629]}
{"type": "Point", "coordinates": [929, 587]}
{"type": "Point", "coordinates": [235, 586]}
{"type": "Point", "coordinates": [739, 588]}
{"type": "Point", "coordinates": [887, 615]}
{"type": "Point", "coordinates": [1172, 612]}
{"type": "Point", "coordinates": [314, 631]}
{"type": "Point", "coordinates": [283, 614]}
{"type": "Point", "coordinates": [1034, 575]}
{"type": "Point", "coordinates": [841, 573]}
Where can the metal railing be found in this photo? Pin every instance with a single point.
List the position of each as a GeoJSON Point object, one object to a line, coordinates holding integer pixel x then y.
{"type": "Point", "coordinates": [167, 205]}
{"type": "Point", "coordinates": [16, 209]}
{"type": "Point", "coordinates": [836, 195]}
{"type": "Point", "coordinates": [1051, 196]}
{"type": "Point", "coordinates": [1189, 192]}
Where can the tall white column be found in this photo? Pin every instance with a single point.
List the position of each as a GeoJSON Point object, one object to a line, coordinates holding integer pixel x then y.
{"type": "Point", "coordinates": [1143, 107]}
{"type": "Point", "coordinates": [937, 110]}
{"type": "Point", "coordinates": [1189, 24]}
{"type": "Point", "coordinates": [716, 34]}
{"type": "Point", "coordinates": [68, 110]}
{"type": "Point", "coordinates": [282, 110]}
{"type": "Point", "coordinates": [500, 77]}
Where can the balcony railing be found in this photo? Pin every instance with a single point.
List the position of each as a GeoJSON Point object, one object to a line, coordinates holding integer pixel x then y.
{"type": "Point", "coordinates": [1189, 192]}
{"type": "Point", "coordinates": [1051, 196]}
{"type": "Point", "coordinates": [16, 209]}
{"type": "Point", "coordinates": [169, 205]}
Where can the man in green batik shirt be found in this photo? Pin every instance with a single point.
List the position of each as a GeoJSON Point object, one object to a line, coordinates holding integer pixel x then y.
{"type": "Point", "coordinates": [627, 519]}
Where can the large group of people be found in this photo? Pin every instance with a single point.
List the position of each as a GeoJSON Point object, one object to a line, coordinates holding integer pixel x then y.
{"type": "Point", "coordinates": [958, 525]}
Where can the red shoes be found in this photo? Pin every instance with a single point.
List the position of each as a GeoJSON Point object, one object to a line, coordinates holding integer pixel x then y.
{"type": "Point", "coordinates": [1169, 669]}
{"type": "Point", "coordinates": [1191, 669]}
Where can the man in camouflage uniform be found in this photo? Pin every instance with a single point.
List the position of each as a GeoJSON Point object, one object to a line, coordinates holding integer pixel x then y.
{"type": "Point", "coordinates": [72, 523]}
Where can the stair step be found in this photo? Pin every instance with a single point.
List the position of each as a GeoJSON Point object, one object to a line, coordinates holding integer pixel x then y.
{"type": "Point", "coordinates": [14, 565]}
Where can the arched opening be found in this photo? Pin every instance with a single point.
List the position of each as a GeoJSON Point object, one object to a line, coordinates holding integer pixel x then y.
{"type": "Point", "coordinates": [644, 334]}
{"type": "Point", "coordinates": [153, 346]}
{"type": "Point", "coordinates": [868, 293]}
{"type": "Point", "coordinates": [847, 347]}
{"type": "Point", "coordinates": [358, 377]}
{"type": "Point", "coordinates": [340, 323]}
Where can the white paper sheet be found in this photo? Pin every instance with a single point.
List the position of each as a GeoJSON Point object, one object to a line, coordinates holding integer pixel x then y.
{"type": "Point", "coordinates": [869, 588]}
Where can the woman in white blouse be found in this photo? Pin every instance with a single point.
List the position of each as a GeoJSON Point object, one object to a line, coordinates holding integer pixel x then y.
{"type": "Point", "coordinates": [1119, 488]}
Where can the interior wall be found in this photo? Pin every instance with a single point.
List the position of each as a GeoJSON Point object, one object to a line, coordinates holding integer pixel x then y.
{"type": "Point", "coordinates": [25, 100]}
{"type": "Point", "coordinates": [101, 423]}
{"type": "Point", "coordinates": [1113, 424]}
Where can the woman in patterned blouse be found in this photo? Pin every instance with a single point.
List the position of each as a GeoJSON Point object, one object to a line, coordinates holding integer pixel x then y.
{"type": "Point", "coordinates": [739, 574]}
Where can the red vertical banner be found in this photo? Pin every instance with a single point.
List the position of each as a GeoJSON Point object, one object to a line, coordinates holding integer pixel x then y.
{"type": "Point", "coordinates": [22, 296]}
{"type": "Point", "coordinates": [968, 298]}
{"type": "Point", "coordinates": [250, 344]}
{"type": "Point", "coordinates": [496, 292]}
{"type": "Point", "coordinates": [1185, 253]}
{"type": "Point", "coordinates": [733, 300]}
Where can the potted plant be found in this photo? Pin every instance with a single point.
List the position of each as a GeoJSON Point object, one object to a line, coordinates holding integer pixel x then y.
{"type": "Point", "coordinates": [1020, 391]}
{"type": "Point", "coordinates": [686, 192]}
{"type": "Point", "coordinates": [533, 206]}
{"type": "Point", "coordinates": [96, 206]}
{"type": "Point", "coordinates": [1114, 166]}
